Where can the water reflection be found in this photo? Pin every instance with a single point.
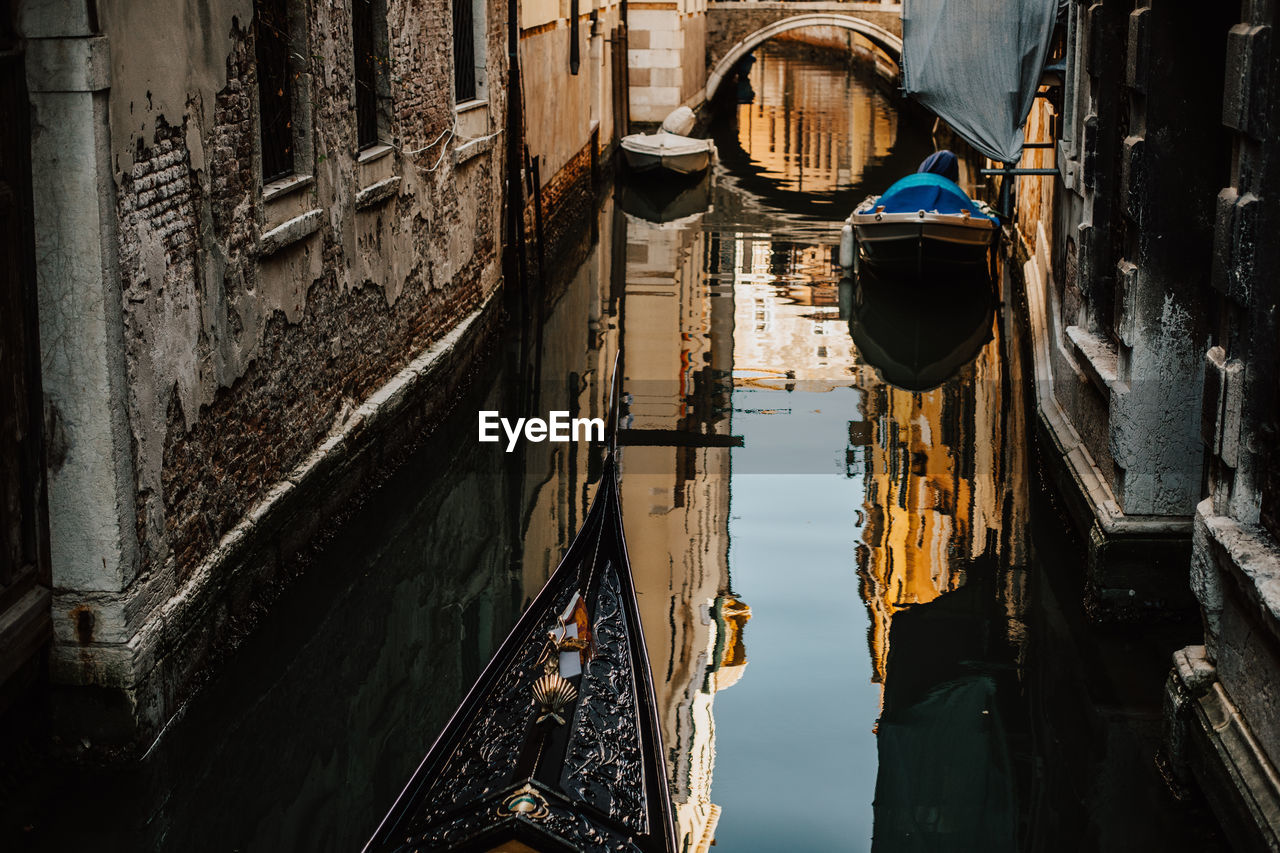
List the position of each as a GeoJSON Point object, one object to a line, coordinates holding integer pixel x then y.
{"type": "Point", "coordinates": [811, 127]}
{"type": "Point", "coordinates": [816, 139]}
{"type": "Point", "coordinates": [665, 201]}
{"type": "Point", "coordinates": [677, 341]}
{"type": "Point", "coordinates": [918, 334]}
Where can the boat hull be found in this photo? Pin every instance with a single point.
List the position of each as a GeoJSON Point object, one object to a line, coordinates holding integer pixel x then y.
{"type": "Point", "coordinates": [680, 164]}
{"type": "Point", "coordinates": [920, 241]}
{"type": "Point", "coordinates": [666, 152]}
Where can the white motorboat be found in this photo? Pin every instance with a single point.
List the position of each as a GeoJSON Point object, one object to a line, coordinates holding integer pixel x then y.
{"type": "Point", "coordinates": [669, 148]}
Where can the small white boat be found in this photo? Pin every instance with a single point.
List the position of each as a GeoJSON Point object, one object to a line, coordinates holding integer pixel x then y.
{"type": "Point", "coordinates": [669, 148]}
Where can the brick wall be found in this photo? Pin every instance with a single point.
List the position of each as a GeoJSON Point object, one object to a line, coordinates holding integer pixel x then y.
{"type": "Point", "coordinates": [231, 386]}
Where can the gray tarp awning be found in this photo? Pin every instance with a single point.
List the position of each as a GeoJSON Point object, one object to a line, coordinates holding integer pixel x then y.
{"type": "Point", "coordinates": [976, 64]}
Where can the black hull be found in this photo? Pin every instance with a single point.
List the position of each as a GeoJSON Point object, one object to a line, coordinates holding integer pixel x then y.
{"type": "Point", "coordinates": [920, 254]}
{"type": "Point", "coordinates": [497, 773]}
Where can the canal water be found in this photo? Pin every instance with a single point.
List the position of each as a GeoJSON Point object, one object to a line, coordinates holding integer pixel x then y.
{"type": "Point", "coordinates": [861, 604]}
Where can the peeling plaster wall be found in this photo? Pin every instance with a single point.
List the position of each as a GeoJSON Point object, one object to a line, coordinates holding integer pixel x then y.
{"type": "Point", "coordinates": [240, 358]}
{"type": "Point", "coordinates": [314, 327]}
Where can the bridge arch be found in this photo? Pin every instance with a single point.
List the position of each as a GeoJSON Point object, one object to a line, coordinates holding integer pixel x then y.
{"type": "Point", "coordinates": [883, 38]}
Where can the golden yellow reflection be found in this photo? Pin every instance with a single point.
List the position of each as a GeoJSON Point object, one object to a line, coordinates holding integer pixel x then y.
{"type": "Point", "coordinates": [787, 325]}
{"type": "Point", "coordinates": [812, 126]}
{"type": "Point", "coordinates": [938, 495]}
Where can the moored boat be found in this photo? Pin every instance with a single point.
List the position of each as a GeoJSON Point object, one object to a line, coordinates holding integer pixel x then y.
{"type": "Point", "coordinates": [557, 746]}
{"type": "Point", "coordinates": [923, 222]}
{"type": "Point", "coordinates": [669, 149]}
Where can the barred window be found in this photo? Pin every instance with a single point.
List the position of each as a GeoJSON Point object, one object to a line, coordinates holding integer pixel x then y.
{"type": "Point", "coordinates": [369, 40]}
{"type": "Point", "coordinates": [276, 77]}
{"type": "Point", "coordinates": [464, 51]}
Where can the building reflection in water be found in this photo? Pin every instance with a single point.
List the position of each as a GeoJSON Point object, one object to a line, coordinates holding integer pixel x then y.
{"type": "Point", "coordinates": [702, 310]}
{"type": "Point", "coordinates": [677, 342]}
{"type": "Point", "coordinates": [941, 455]}
{"type": "Point", "coordinates": [704, 307]}
{"type": "Point", "coordinates": [811, 127]}
{"type": "Point", "coordinates": [934, 481]}
{"type": "Point", "coordinates": [712, 308]}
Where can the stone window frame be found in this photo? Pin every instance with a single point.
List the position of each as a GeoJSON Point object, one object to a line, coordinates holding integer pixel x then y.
{"type": "Point", "coordinates": [301, 107]}
{"type": "Point", "coordinates": [1075, 96]}
{"type": "Point", "coordinates": [479, 50]}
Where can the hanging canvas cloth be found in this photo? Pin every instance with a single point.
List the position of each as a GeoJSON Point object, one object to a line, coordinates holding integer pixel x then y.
{"type": "Point", "coordinates": [976, 64]}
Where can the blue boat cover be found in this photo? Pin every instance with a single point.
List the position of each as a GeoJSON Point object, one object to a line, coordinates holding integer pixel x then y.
{"type": "Point", "coordinates": [930, 192]}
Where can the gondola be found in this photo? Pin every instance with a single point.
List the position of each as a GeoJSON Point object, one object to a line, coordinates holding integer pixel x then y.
{"type": "Point", "coordinates": [557, 746]}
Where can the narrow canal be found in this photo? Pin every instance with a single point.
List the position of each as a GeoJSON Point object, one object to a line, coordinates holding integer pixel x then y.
{"type": "Point", "coordinates": [862, 607]}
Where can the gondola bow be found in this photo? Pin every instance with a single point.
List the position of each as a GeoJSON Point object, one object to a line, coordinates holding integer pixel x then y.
{"type": "Point", "coordinates": [557, 746]}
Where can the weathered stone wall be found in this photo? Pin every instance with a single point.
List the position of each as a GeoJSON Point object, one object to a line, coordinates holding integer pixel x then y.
{"type": "Point", "coordinates": [1160, 300]}
{"type": "Point", "coordinates": [1123, 280]}
{"type": "Point", "coordinates": [255, 325]}
{"type": "Point", "coordinates": [1224, 696]}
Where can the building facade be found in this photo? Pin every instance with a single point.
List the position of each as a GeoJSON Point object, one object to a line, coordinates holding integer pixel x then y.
{"type": "Point", "coordinates": [1150, 269]}
{"type": "Point", "coordinates": [667, 54]}
{"type": "Point", "coordinates": [267, 234]}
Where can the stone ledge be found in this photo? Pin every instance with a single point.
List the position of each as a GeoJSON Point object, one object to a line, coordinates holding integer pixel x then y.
{"type": "Point", "coordinates": [285, 187]}
{"type": "Point", "coordinates": [471, 148]}
{"type": "Point", "coordinates": [378, 192]}
{"type": "Point", "coordinates": [1099, 357]}
{"type": "Point", "coordinates": [374, 153]}
{"type": "Point", "coordinates": [1210, 743]}
{"type": "Point", "coordinates": [1247, 556]}
{"type": "Point", "coordinates": [291, 231]}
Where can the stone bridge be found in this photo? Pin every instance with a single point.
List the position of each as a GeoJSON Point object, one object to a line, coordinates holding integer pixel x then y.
{"type": "Point", "coordinates": [736, 27]}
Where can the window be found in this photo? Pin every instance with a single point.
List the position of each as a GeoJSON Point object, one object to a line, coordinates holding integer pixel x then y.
{"type": "Point", "coordinates": [283, 82]}
{"type": "Point", "coordinates": [464, 51]}
{"type": "Point", "coordinates": [275, 90]}
{"type": "Point", "coordinates": [373, 93]}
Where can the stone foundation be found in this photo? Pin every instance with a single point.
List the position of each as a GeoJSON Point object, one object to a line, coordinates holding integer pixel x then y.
{"type": "Point", "coordinates": [1210, 744]}
{"type": "Point", "coordinates": [1135, 564]}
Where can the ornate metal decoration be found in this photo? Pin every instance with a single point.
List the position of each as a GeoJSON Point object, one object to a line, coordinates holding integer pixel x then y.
{"type": "Point", "coordinates": [553, 694]}
{"type": "Point", "coordinates": [485, 756]}
{"type": "Point", "coordinates": [604, 764]}
{"type": "Point", "coordinates": [554, 817]}
{"type": "Point", "coordinates": [526, 801]}
{"type": "Point", "coordinates": [559, 738]}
